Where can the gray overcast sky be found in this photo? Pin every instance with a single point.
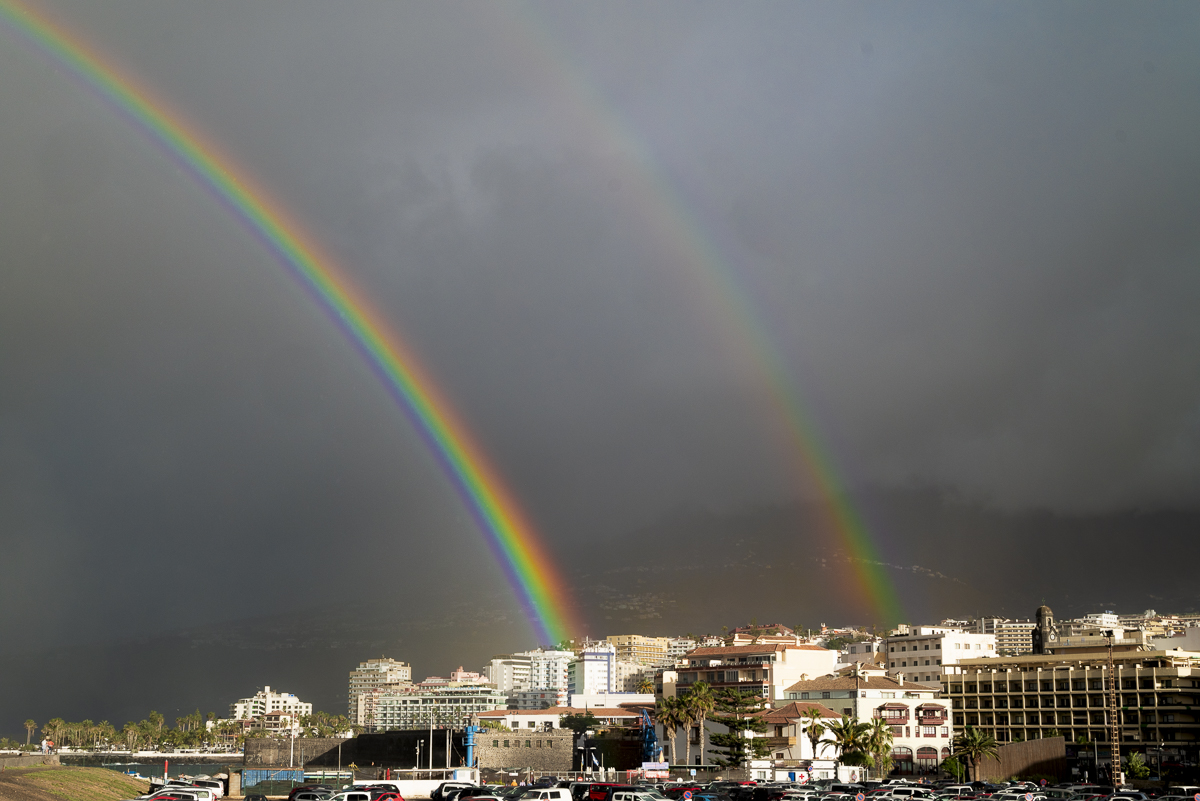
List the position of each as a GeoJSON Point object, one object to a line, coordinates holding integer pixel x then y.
{"type": "Point", "coordinates": [968, 230]}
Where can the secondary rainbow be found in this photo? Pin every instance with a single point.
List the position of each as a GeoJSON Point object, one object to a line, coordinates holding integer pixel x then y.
{"type": "Point", "coordinates": [680, 226]}
{"type": "Point", "coordinates": [534, 578]}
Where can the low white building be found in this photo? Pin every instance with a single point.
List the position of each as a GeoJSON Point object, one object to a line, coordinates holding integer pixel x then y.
{"type": "Point", "coordinates": [922, 725]}
{"type": "Point", "coordinates": [448, 706]}
{"type": "Point", "coordinates": [266, 701]}
{"type": "Point", "coordinates": [918, 652]}
{"type": "Point", "coordinates": [549, 719]}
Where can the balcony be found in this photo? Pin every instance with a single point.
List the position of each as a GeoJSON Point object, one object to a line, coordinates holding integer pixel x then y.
{"type": "Point", "coordinates": [780, 742]}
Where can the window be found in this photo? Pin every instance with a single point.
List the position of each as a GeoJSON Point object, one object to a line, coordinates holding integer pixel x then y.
{"type": "Point", "coordinates": [958, 645]}
{"type": "Point", "coordinates": [824, 695]}
{"type": "Point", "coordinates": [495, 743]}
{"type": "Point", "coordinates": [945, 731]}
{"type": "Point", "coordinates": [937, 661]}
{"type": "Point", "coordinates": [903, 647]}
{"type": "Point", "coordinates": [887, 695]}
{"type": "Point", "coordinates": [929, 731]}
{"type": "Point", "coordinates": [927, 662]}
{"type": "Point", "coordinates": [506, 743]}
{"type": "Point", "coordinates": [527, 745]}
{"type": "Point", "coordinates": [539, 743]}
{"type": "Point", "coordinates": [926, 647]}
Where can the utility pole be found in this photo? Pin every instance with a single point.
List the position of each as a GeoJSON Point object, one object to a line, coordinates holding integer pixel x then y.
{"type": "Point", "coordinates": [1114, 720]}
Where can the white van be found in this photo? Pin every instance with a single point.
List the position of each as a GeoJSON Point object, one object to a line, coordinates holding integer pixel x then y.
{"type": "Point", "coordinates": [548, 794]}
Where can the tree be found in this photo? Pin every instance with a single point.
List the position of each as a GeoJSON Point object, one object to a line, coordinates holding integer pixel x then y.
{"type": "Point", "coordinates": [1138, 768]}
{"type": "Point", "coordinates": [814, 727]}
{"type": "Point", "coordinates": [738, 713]}
{"type": "Point", "coordinates": [974, 746]}
{"type": "Point", "coordinates": [30, 727]}
{"type": "Point", "coordinates": [645, 684]}
{"type": "Point", "coordinates": [954, 767]}
{"type": "Point", "coordinates": [879, 746]}
{"type": "Point", "coordinates": [579, 723]}
{"type": "Point", "coordinates": [702, 702]}
{"type": "Point", "coordinates": [849, 737]}
{"type": "Point", "coordinates": [669, 712]}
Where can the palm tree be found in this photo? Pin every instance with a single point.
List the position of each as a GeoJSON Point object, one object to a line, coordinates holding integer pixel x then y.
{"type": "Point", "coordinates": [814, 727]}
{"type": "Point", "coordinates": [879, 745]}
{"type": "Point", "coordinates": [702, 702]}
{"type": "Point", "coordinates": [669, 714]}
{"type": "Point", "coordinates": [976, 746]}
{"type": "Point", "coordinates": [645, 684]}
{"type": "Point", "coordinates": [30, 726]}
{"type": "Point", "coordinates": [849, 737]}
{"type": "Point", "coordinates": [687, 718]}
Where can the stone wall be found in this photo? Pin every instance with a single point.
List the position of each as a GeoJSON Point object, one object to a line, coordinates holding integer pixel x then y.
{"type": "Point", "coordinates": [1046, 757]}
{"type": "Point", "coordinates": [263, 752]}
{"type": "Point", "coordinates": [25, 761]}
{"type": "Point", "coordinates": [542, 751]}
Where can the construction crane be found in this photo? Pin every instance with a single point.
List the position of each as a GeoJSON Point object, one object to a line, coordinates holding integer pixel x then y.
{"type": "Point", "coordinates": [1114, 719]}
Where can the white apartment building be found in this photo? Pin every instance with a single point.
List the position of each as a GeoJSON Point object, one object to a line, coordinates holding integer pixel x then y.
{"type": "Point", "coordinates": [374, 673]}
{"type": "Point", "coordinates": [863, 651]}
{"type": "Point", "coordinates": [530, 700]}
{"type": "Point", "coordinates": [1013, 637]}
{"type": "Point", "coordinates": [678, 646]}
{"type": "Point", "coordinates": [765, 669]}
{"type": "Point", "coordinates": [922, 725]}
{"type": "Point", "coordinates": [509, 673]}
{"type": "Point", "coordinates": [450, 706]}
{"type": "Point", "coordinates": [594, 671]}
{"type": "Point", "coordinates": [919, 654]}
{"type": "Point", "coordinates": [548, 669]}
{"type": "Point", "coordinates": [264, 702]}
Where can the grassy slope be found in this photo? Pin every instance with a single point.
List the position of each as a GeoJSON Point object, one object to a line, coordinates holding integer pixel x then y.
{"type": "Point", "coordinates": [93, 784]}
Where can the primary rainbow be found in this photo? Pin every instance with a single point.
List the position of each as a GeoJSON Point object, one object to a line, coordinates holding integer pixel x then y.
{"type": "Point", "coordinates": [534, 578]}
{"type": "Point", "coordinates": [679, 225]}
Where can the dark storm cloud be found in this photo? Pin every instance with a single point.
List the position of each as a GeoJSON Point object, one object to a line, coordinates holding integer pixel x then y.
{"type": "Point", "coordinates": [969, 232]}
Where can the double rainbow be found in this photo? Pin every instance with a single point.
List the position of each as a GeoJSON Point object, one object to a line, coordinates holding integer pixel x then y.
{"type": "Point", "coordinates": [676, 219]}
{"type": "Point", "coordinates": [533, 576]}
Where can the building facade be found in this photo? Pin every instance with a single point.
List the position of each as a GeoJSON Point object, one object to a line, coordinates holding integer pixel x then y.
{"type": "Point", "coordinates": [508, 673]}
{"type": "Point", "coordinates": [922, 724]}
{"type": "Point", "coordinates": [1013, 637]}
{"type": "Point", "coordinates": [266, 701]}
{"type": "Point", "coordinates": [918, 652]}
{"type": "Point", "coordinates": [594, 671]}
{"type": "Point", "coordinates": [451, 706]}
{"type": "Point", "coordinates": [1043, 695]}
{"type": "Point", "coordinates": [639, 649]}
{"type": "Point", "coordinates": [763, 669]}
{"type": "Point", "coordinates": [537, 699]}
{"type": "Point", "coordinates": [376, 673]}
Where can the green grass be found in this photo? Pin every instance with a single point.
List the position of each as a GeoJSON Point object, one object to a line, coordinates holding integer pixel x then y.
{"type": "Point", "coordinates": [94, 784]}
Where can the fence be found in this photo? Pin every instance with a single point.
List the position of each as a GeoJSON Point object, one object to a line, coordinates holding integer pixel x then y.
{"type": "Point", "coordinates": [252, 777]}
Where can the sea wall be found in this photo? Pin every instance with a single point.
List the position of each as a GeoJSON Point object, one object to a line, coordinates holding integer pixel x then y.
{"type": "Point", "coordinates": [24, 761]}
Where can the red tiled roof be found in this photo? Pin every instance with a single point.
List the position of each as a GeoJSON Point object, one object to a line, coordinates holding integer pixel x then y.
{"type": "Point", "coordinates": [765, 648]}
{"type": "Point", "coordinates": [795, 711]}
{"type": "Point", "coordinates": [860, 683]}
